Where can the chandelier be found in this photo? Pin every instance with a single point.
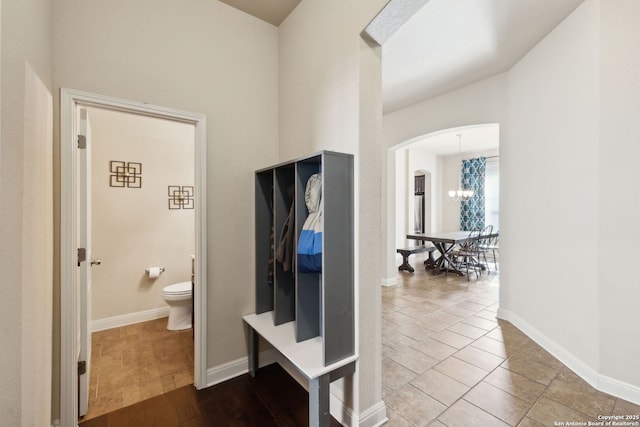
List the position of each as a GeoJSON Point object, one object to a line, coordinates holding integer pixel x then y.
{"type": "Point", "coordinates": [460, 193]}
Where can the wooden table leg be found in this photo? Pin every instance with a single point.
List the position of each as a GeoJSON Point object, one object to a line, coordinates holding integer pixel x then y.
{"type": "Point", "coordinates": [449, 263]}
{"type": "Point", "coordinates": [443, 264]}
{"type": "Point", "coordinates": [438, 265]}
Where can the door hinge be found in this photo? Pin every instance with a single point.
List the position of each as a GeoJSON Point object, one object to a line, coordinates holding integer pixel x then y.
{"type": "Point", "coordinates": [82, 141]}
{"type": "Point", "coordinates": [82, 367]}
{"type": "Point", "coordinates": [82, 255]}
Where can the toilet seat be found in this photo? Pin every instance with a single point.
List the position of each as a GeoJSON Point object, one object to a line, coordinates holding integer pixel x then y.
{"type": "Point", "coordinates": [178, 289]}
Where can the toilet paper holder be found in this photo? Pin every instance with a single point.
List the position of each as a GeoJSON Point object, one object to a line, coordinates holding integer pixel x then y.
{"type": "Point", "coordinates": [161, 270]}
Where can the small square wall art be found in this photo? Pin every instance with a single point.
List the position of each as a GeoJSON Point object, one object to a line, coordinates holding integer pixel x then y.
{"type": "Point", "coordinates": [180, 197]}
{"type": "Point", "coordinates": [125, 174]}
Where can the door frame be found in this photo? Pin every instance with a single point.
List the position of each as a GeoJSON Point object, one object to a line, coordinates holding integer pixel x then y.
{"type": "Point", "coordinates": [70, 100]}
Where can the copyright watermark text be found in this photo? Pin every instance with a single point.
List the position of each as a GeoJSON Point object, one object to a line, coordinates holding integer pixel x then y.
{"type": "Point", "coordinates": [604, 421]}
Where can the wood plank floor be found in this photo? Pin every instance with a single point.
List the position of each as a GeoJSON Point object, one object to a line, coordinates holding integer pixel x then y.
{"type": "Point", "coordinates": [273, 398]}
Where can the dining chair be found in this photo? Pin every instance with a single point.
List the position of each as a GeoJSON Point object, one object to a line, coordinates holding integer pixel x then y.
{"type": "Point", "coordinates": [494, 246]}
{"type": "Point", "coordinates": [482, 245]}
{"type": "Point", "coordinates": [466, 255]}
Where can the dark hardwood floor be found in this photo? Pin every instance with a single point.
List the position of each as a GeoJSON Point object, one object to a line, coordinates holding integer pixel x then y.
{"type": "Point", "coordinates": [273, 398]}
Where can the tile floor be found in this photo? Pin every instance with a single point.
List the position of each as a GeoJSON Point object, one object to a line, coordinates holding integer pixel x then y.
{"type": "Point", "coordinates": [135, 362]}
{"type": "Point", "coordinates": [447, 361]}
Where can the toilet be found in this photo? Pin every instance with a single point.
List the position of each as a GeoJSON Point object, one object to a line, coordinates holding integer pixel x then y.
{"type": "Point", "coordinates": [179, 297]}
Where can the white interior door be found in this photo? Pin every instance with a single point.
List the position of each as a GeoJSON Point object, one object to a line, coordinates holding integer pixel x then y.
{"type": "Point", "coordinates": [84, 241]}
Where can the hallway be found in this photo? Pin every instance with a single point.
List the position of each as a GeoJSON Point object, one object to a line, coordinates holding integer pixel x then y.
{"type": "Point", "coordinates": [447, 361]}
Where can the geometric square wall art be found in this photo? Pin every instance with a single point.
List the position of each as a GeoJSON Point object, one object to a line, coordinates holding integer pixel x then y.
{"type": "Point", "coordinates": [180, 197]}
{"type": "Point", "coordinates": [125, 174]}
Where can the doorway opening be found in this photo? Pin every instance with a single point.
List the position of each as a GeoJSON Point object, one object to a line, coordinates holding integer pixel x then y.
{"type": "Point", "coordinates": [74, 323]}
{"type": "Point", "coordinates": [142, 218]}
{"type": "Point", "coordinates": [422, 201]}
{"type": "Point", "coordinates": [436, 156]}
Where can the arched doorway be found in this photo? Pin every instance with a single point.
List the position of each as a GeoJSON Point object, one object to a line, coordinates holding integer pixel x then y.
{"type": "Point", "coordinates": [438, 154]}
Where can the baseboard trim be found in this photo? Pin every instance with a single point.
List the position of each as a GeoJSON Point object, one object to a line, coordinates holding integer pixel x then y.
{"type": "Point", "coordinates": [341, 412]}
{"type": "Point", "coordinates": [235, 368]}
{"type": "Point", "coordinates": [227, 371]}
{"type": "Point", "coordinates": [392, 281]}
{"type": "Point", "coordinates": [598, 381]}
{"type": "Point", "coordinates": [128, 319]}
{"type": "Point", "coordinates": [619, 389]}
{"type": "Point", "coordinates": [375, 416]}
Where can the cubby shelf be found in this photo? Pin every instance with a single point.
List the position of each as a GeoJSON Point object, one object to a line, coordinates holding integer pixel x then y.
{"type": "Point", "coordinates": [306, 356]}
{"type": "Point", "coordinates": [308, 317]}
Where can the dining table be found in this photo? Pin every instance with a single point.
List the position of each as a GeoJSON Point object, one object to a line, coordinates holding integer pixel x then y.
{"type": "Point", "coordinates": [444, 243]}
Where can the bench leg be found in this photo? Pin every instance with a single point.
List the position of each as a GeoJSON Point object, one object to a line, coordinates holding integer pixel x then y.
{"type": "Point", "coordinates": [253, 352]}
{"type": "Point", "coordinates": [405, 264]}
{"type": "Point", "coordinates": [319, 415]}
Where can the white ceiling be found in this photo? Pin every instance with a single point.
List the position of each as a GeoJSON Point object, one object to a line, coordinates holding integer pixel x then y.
{"type": "Point", "coordinates": [451, 43]}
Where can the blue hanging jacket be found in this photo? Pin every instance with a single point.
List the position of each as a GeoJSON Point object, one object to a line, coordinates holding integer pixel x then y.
{"type": "Point", "coordinates": [310, 240]}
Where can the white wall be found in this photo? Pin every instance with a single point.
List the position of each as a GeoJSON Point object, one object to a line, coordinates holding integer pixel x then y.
{"type": "Point", "coordinates": [330, 99]}
{"type": "Point", "coordinates": [450, 173]}
{"type": "Point", "coordinates": [200, 56]}
{"type": "Point", "coordinates": [480, 102]}
{"type": "Point", "coordinates": [618, 225]}
{"type": "Point", "coordinates": [420, 159]}
{"type": "Point", "coordinates": [26, 212]}
{"type": "Point", "coordinates": [550, 187]}
{"type": "Point", "coordinates": [133, 228]}
{"type": "Point", "coordinates": [401, 203]}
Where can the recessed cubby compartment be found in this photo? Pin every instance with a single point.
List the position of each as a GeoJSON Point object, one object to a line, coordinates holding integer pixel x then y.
{"type": "Point", "coordinates": [309, 284]}
{"type": "Point", "coordinates": [284, 278]}
{"type": "Point", "coordinates": [265, 262]}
